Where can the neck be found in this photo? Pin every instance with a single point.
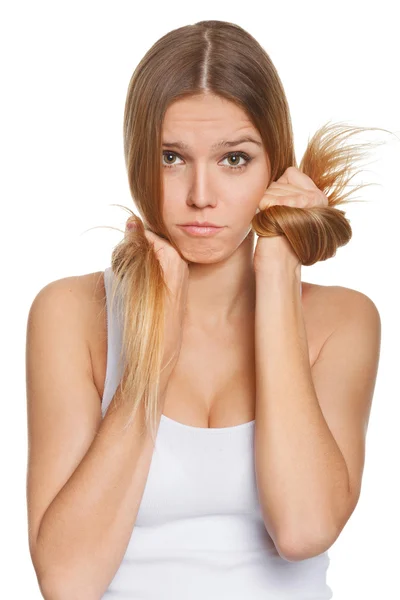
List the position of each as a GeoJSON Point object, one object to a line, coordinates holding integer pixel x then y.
{"type": "Point", "coordinates": [222, 293]}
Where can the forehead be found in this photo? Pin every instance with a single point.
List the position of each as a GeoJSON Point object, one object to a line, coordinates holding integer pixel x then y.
{"type": "Point", "coordinates": [205, 114]}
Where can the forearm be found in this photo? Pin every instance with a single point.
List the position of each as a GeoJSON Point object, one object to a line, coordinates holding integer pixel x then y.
{"type": "Point", "coordinates": [85, 531]}
{"type": "Point", "coordinates": [301, 474]}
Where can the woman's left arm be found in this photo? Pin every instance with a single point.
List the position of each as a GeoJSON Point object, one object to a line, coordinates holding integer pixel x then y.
{"type": "Point", "coordinates": [311, 422]}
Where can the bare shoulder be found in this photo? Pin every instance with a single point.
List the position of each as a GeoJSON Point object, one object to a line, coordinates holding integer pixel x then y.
{"type": "Point", "coordinates": [83, 291]}
{"type": "Point", "coordinates": [78, 287]}
{"type": "Point", "coordinates": [329, 307]}
{"type": "Point", "coordinates": [83, 298]}
{"type": "Point", "coordinates": [336, 300]}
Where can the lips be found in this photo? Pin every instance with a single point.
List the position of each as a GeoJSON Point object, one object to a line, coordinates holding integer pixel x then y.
{"type": "Point", "coordinates": [204, 231]}
{"type": "Point", "coordinates": [199, 224]}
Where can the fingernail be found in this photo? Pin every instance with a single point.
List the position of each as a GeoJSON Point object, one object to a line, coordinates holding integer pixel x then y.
{"type": "Point", "coordinates": [257, 211]}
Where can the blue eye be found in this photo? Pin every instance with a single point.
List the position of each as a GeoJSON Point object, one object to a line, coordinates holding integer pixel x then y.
{"type": "Point", "coordinates": [237, 154]}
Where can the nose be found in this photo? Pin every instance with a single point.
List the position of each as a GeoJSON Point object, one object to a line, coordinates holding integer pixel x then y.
{"type": "Point", "coordinates": [200, 191]}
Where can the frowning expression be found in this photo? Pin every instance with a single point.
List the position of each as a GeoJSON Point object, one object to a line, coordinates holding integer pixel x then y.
{"type": "Point", "coordinates": [215, 169]}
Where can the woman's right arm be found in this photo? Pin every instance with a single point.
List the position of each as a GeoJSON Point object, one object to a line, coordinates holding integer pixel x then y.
{"type": "Point", "coordinates": [85, 476]}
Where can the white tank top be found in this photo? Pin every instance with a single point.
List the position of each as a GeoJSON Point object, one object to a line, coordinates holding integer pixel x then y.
{"type": "Point", "coordinates": [199, 532]}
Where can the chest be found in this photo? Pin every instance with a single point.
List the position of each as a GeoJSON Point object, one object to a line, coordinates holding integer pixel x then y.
{"type": "Point", "coordinates": [213, 383]}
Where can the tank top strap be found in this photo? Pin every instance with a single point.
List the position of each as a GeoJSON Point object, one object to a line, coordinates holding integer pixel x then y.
{"type": "Point", "coordinates": [114, 367]}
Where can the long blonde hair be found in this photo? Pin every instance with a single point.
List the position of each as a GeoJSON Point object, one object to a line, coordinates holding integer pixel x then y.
{"type": "Point", "coordinates": [220, 58]}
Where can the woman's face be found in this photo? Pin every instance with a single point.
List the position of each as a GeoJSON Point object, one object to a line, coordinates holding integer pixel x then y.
{"type": "Point", "coordinates": [202, 183]}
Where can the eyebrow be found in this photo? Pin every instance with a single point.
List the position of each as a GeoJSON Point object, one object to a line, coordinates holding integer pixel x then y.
{"type": "Point", "coordinates": [182, 146]}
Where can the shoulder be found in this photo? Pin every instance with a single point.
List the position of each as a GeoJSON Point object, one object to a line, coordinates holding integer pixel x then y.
{"type": "Point", "coordinates": [81, 297]}
{"type": "Point", "coordinates": [77, 287]}
{"type": "Point", "coordinates": [335, 308]}
{"type": "Point", "coordinates": [339, 302]}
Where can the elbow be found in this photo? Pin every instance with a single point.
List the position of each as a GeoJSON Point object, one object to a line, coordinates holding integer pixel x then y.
{"type": "Point", "coordinates": [295, 550]}
{"type": "Point", "coordinates": [51, 591]}
{"type": "Point", "coordinates": [59, 589]}
{"type": "Point", "coordinates": [58, 583]}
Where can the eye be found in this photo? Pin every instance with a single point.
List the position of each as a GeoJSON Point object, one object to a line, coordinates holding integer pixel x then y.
{"type": "Point", "coordinates": [236, 155]}
{"type": "Point", "coordinates": [169, 154]}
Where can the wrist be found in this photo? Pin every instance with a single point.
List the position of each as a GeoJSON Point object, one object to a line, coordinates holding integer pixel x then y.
{"type": "Point", "coordinates": [278, 274]}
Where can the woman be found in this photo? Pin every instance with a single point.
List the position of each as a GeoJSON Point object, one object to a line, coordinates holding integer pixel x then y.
{"type": "Point", "coordinates": [197, 416]}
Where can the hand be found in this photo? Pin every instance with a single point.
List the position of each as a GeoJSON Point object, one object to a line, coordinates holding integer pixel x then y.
{"type": "Point", "coordinates": [176, 277]}
{"type": "Point", "coordinates": [295, 189]}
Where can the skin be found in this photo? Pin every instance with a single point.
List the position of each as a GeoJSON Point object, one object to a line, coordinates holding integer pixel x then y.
{"type": "Point", "coordinates": [320, 401]}
{"type": "Point", "coordinates": [314, 390]}
{"type": "Point", "coordinates": [199, 185]}
{"type": "Point", "coordinates": [216, 365]}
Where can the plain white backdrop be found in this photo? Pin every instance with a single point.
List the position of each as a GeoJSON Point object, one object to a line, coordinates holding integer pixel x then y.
{"type": "Point", "coordinates": [64, 74]}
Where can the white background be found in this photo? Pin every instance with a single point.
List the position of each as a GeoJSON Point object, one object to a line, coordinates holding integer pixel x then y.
{"type": "Point", "coordinates": [64, 76]}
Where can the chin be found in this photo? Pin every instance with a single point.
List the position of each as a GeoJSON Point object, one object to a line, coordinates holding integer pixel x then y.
{"type": "Point", "coordinates": [208, 255]}
{"type": "Point", "coordinates": [205, 257]}
{"type": "Point", "coordinates": [211, 250]}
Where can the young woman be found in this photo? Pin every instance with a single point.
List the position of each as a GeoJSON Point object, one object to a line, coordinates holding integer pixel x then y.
{"type": "Point", "coordinates": [197, 414]}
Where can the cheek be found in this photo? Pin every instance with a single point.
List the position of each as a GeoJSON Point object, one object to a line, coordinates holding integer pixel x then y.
{"type": "Point", "coordinates": [169, 206]}
{"type": "Point", "coordinates": [245, 205]}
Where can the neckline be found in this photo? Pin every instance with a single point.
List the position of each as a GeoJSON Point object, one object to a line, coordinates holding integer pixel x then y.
{"type": "Point", "coordinates": [108, 272]}
{"type": "Point", "coordinates": [212, 430]}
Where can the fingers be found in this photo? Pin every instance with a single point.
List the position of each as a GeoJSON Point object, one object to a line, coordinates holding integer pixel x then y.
{"type": "Point", "coordinates": [133, 224]}
{"type": "Point", "coordinates": [294, 176]}
{"type": "Point", "coordinates": [152, 237]}
{"type": "Point", "coordinates": [284, 188]}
